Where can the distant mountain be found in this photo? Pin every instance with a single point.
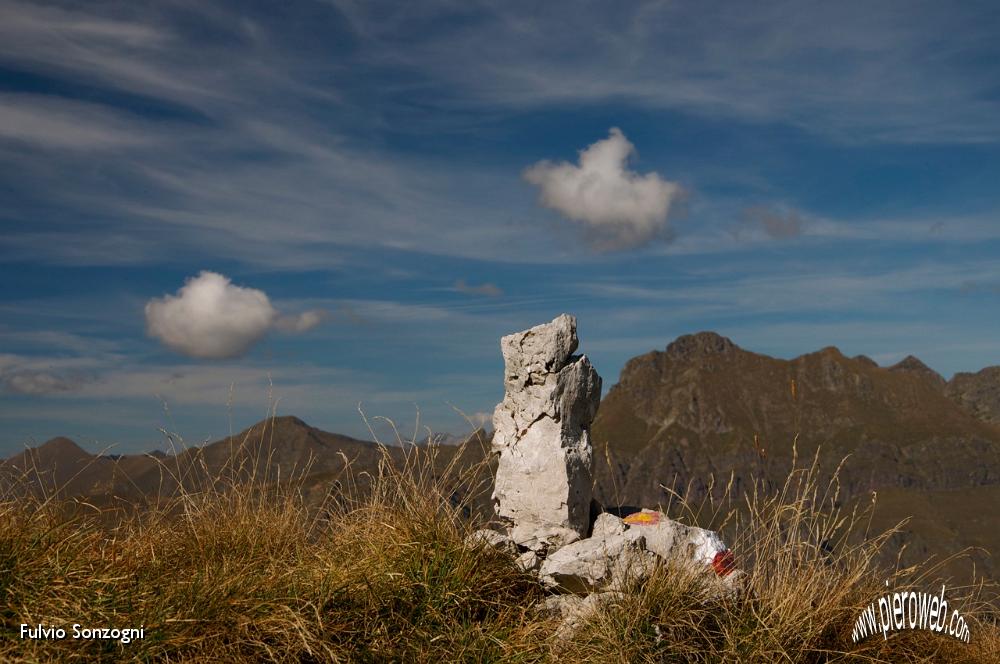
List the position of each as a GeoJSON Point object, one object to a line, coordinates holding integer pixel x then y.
{"type": "Point", "coordinates": [273, 449]}
{"type": "Point", "coordinates": [54, 463]}
{"type": "Point", "coordinates": [705, 407]}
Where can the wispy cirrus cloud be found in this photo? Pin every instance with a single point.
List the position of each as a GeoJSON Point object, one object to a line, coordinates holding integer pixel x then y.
{"type": "Point", "coordinates": [299, 97]}
{"type": "Point", "coordinates": [487, 288]}
{"type": "Point", "coordinates": [970, 286]}
{"type": "Point", "coordinates": [129, 81]}
{"type": "Point", "coordinates": [39, 375]}
{"type": "Point", "coordinates": [800, 287]}
{"type": "Point", "coordinates": [849, 70]}
{"type": "Point", "coordinates": [303, 322]}
{"type": "Point", "coordinates": [38, 382]}
{"type": "Point", "coordinates": [50, 122]}
{"type": "Point", "coordinates": [198, 400]}
{"type": "Point", "coordinates": [776, 222]}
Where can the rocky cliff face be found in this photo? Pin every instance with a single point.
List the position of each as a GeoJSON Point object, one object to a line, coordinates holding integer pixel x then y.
{"type": "Point", "coordinates": [978, 393]}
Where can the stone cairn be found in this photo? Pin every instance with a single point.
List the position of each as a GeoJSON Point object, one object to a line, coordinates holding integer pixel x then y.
{"type": "Point", "coordinates": [543, 481]}
{"type": "Point", "coordinates": [543, 485]}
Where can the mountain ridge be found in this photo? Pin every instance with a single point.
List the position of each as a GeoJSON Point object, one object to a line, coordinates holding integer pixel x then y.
{"type": "Point", "coordinates": [702, 407]}
{"type": "Point", "coordinates": [274, 449]}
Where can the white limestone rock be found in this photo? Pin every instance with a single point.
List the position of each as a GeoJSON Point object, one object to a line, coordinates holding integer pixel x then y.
{"type": "Point", "coordinates": [543, 482]}
{"type": "Point", "coordinates": [672, 540]}
{"type": "Point", "coordinates": [574, 610]}
{"type": "Point", "coordinates": [529, 561]}
{"type": "Point", "coordinates": [608, 524]}
{"type": "Point", "coordinates": [491, 538]}
{"type": "Point", "coordinates": [560, 605]}
{"type": "Point", "coordinates": [597, 563]}
{"type": "Point", "coordinates": [623, 550]}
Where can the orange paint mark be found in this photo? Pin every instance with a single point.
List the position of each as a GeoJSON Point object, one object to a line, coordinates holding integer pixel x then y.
{"type": "Point", "coordinates": [642, 519]}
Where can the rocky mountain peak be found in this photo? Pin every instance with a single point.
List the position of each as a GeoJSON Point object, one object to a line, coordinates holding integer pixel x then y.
{"type": "Point", "coordinates": [61, 448]}
{"type": "Point", "coordinates": [702, 343]}
{"type": "Point", "coordinates": [865, 360]}
{"type": "Point", "coordinates": [912, 364]}
{"type": "Point", "coordinates": [290, 421]}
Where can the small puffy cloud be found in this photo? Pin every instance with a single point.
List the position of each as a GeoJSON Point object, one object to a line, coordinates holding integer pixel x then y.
{"type": "Point", "coordinates": [210, 318]}
{"type": "Point", "coordinates": [619, 208]}
{"type": "Point", "coordinates": [776, 222]}
{"type": "Point", "coordinates": [303, 322]}
{"type": "Point", "coordinates": [488, 289]}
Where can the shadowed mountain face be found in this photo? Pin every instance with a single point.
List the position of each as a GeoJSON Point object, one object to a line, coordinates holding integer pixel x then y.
{"type": "Point", "coordinates": [705, 407]}
{"type": "Point", "coordinates": [60, 458]}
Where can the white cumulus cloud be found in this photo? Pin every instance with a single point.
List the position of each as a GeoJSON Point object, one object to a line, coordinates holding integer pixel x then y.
{"type": "Point", "coordinates": [210, 318]}
{"type": "Point", "coordinates": [619, 208]}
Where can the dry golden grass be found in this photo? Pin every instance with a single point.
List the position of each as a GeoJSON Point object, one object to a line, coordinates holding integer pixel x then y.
{"type": "Point", "coordinates": [232, 569]}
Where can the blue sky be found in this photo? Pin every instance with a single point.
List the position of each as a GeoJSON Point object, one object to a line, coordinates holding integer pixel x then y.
{"type": "Point", "coordinates": [207, 206]}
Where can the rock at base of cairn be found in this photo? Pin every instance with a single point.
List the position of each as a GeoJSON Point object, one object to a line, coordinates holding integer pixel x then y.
{"type": "Point", "coordinates": [627, 550]}
{"type": "Point", "coordinates": [671, 540]}
{"type": "Point", "coordinates": [543, 482]}
{"type": "Point", "coordinates": [597, 563]}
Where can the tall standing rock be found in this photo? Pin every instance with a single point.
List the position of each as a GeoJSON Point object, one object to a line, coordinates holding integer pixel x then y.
{"type": "Point", "coordinates": [543, 481]}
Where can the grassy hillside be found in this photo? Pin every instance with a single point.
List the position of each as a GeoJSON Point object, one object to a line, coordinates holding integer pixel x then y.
{"type": "Point", "coordinates": [246, 568]}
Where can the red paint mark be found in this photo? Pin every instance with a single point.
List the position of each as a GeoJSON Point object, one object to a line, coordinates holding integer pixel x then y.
{"type": "Point", "coordinates": [724, 563]}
